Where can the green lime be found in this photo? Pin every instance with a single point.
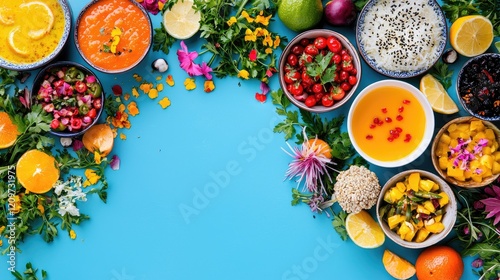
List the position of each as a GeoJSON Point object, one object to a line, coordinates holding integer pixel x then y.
{"type": "Point", "coordinates": [497, 45]}
{"type": "Point", "coordinates": [300, 15]}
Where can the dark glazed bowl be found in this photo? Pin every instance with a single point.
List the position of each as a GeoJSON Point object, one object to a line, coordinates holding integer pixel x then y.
{"type": "Point", "coordinates": [40, 77]}
{"type": "Point", "coordinates": [60, 46]}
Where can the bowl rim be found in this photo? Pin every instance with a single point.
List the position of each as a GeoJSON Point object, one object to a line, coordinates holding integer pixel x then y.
{"type": "Point", "coordinates": [116, 71]}
{"type": "Point", "coordinates": [459, 77]}
{"type": "Point", "coordinates": [428, 132]}
{"type": "Point", "coordinates": [36, 86]}
{"type": "Point", "coordinates": [448, 220]}
{"type": "Point", "coordinates": [391, 73]}
{"type": "Point", "coordinates": [345, 43]}
{"type": "Point", "coordinates": [467, 184]}
{"type": "Point", "coordinates": [68, 19]}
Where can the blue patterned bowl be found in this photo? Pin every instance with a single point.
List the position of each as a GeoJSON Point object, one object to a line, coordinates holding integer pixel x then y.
{"type": "Point", "coordinates": [385, 52]}
{"type": "Point", "coordinates": [45, 60]}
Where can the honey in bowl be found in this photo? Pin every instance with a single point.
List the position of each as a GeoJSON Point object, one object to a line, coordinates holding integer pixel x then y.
{"type": "Point", "coordinates": [29, 39]}
{"type": "Point", "coordinates": [113, 35]}
{"type": "Point", "coordinates": [390, 123]}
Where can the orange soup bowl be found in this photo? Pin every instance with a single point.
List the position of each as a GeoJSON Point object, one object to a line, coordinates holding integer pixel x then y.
{"type": "Point", "coordinates": [390, 123]}
{"type": "Point", "coordinates": [113, 36]}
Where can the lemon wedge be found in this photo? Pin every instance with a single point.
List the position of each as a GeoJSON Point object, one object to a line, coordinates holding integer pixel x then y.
{"type": "Point", "coordinates": [363, 230]}
{"type": "Point", "coordinates": [471, 35]}
{"type": "Point", "coordinates": [19, 42]}
{"type": "Point", "coordinates": [40, 20]}
{"type": "Point", "coordinates": [6, 17]}
{"type": "Point", "coordinates": [437, 96]}
{"type": "Point", "coordinates": [182, 21]}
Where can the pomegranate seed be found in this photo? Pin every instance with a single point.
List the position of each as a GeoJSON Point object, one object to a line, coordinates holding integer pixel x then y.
{"type": "Point", "coordinates": [372, 126]}
{"type": "Point", "coordinates": [391, 132]}
{"type": "Point", "coordinates": [380, 123]}
{"type": "Point", "coordinates": [390, 139]}
{"type": "Point", "coordinates": [399, 118]}
{"type": "Point", "coordinates": [406, 101]}
{"type": "Point", "coordinates": [117, 90]}
{"type": "Point", "coordinates": [401, 109]}
{"type": "Point", "coordinates": [369, 137]}
{"type": "Point", "coordinates": [407, 138]}
{"type": "Point", "coordinates": [376, 120]}
{"type": "Point", "coordinates": [388, 119]}
{"type": "Point", "coordinates": [384, 110]}
{"type": "Point", "coordinates": [395, 136]}
{"type": "Point", "coordinates": [399, 129]}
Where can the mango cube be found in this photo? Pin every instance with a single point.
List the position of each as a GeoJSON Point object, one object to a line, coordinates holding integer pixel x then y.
{"type": "Point", "coordinates": [429, 206]}
{"type": "Point", "coordinates": [414, 181]}
{"type": "Point", "coordinates": [445, 199]}
{"type": "Point", "coordinates": [421, 235]}
{"type": "Point", "coordinates": [436, 227]}
{"type": "Point", "coordinates": [426, 185]}
{"type": "Point", "coordinates": [395, 220]}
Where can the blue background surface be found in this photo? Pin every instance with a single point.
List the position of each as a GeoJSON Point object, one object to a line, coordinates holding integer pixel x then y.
{"type": "Point", "coordinates": [217, 154]}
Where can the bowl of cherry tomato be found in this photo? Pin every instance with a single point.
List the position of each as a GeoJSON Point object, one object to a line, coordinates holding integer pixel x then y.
{"type": "Point", "coordinates": [71, 94]}
{"type": "Point", "coordinates": [319, 70]}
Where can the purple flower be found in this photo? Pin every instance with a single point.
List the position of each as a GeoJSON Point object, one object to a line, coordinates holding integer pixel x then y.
{"type": "Point", "coordinates": [478, 205]}
{"type": "Point", "coordinates": [466, 230]}
{"type": "Point", "coordinates": [186, 60]}
{"type": "Point", "coordinates": [315, 201]}
{"type": "Point", "coordinates": [77, 145]}
{"type": "Point", "coordinates": [264, 88]}
{"type": "Point", "coordinates": [477, 263]}
{"type": "Point", "coordinates": [492, 203]}
{"type": "Point", "coordinates": [205, 70]}
{"type": "Point", "coordinates": [115, 162]}
{"type": "Point", "coordinates": [152, 5]}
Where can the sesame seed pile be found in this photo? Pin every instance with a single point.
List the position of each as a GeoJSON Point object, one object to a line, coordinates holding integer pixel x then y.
{"type": "Point", "coordinates": [356, 188]}
{"type": "Point", "coordinates": [402, 35]}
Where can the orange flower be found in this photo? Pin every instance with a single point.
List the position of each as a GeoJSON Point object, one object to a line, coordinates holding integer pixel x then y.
{"type": "Point", "coordinates": [159, 87]}
{"type": "Point", "coordinates": [153, 93]}
{"type": "Point", "coordinates": [170, 80]}
{"type": "Point", "coordinates": [135, 93]}
{"type": "Point", "coordinates": [146, 87]}
{"type": "Point", "coordinates": [132, 108]}
{"type": "Point", "coordinates": [123, 136]}
{"type": "Point", "coordinates": [164, 103]}
{"type": "Point", "coordinates": [263, 19]}
{"type": "Point", "coordinates": [189, 84]}
{"type": "Point", "coordinates": [137, 77]}
{"type": "Point", "coordinates": [208, 86]}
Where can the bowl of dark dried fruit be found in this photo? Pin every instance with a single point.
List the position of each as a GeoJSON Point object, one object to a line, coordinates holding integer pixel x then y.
{"type": "Point", "coordinates": [319, 70]}
{"type": "Point", "coordinates": [478, 86]}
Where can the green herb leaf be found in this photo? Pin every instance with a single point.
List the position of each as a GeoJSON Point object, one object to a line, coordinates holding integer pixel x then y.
{"type": "Point", "coordinates": [338, 224]}
{"type": "Point", "coordinates": [442, 73]}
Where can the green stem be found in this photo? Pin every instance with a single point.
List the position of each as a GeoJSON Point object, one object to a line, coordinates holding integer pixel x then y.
{"type": "Point", "coordinates": [241, 7]}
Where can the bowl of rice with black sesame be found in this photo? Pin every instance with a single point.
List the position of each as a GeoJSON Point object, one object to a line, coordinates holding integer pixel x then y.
{"type": "Point", "coordinates": [401, 38]}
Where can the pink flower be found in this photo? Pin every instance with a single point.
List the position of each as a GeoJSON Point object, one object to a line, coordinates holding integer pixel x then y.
{"type": "Point", "coordinates": [186, 60]}
{"type": "Point", "coordinates": [115, 162]}
{"type": "Point", "coordinates": [492, 204]}
{"type": "Point", "coordinates": [264, 88]}
{"type": "Point", "coordinates": [252, 55]}
{"type": "Point", "coordinates": [205, 70]}
{"type": "Point", "coordinates": [77, 145]}
{"type": "Point", "coordinates": [152, 6]}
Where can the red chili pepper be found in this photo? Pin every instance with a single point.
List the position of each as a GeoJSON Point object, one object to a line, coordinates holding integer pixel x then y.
{"type": "Point", "coordinates": [488, 75]}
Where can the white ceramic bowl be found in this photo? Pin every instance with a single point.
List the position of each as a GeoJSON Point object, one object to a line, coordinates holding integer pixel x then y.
{"type": "Point", "coordinates": [429, 122]}
{"type": "Point", "coordinates": [448, 218]}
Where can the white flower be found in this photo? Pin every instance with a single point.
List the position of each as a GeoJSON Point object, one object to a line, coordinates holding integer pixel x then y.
{"type": "Point", "coordinates": [69, 192]}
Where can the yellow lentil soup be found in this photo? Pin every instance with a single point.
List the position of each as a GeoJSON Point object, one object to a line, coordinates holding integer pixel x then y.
{"type": "Point", "coordinates": [113, 35]}
{"type": "Point", "coordinates": [30, 30]}
{"type": "Point", "coordinates": [388, 123]}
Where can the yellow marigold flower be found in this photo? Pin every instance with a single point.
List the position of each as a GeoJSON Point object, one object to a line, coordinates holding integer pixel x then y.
{"type": "Point", "coordinates": [277, 42]}
{"type": "Point", "coordinates": [231, 21]}
{"type": "Point", "coordinates": [170, 80]}
{"type": "Point", "coordinates": [17, 205]}
{"type": "Point", "coordinates": [247, 16]}
{"type": "Point", "coordinates": [165, 102]}
{"type": "Point", "coordinates": [243, 74]}
{"type": "Point", "coordinates": [97, 159]}
{"type": "Point", "coordinates": [209, 86]}
{"type": "Point", "coordinates": [123, 136]}
{"type": "Point", "coordinates": [146, 87]}
{"type": "Point", "coordinates": [72, 234]}
{"type": "Point", "coordinates": [135, 93]}
{"type": "Point", "coordinates": [259, 32]}
{"type": "Point", "coordinates": [153, 93]}
{"type": "Point", "coordinates": [263, 19]}
{"type": "Point", "coordinates": [268, 51]}
{"type": "Point", "coordinates": [121, 108]}
{"type": "Point", "coordinates": [126, 96]}
{"type": "Point", "coordinates": [137, 77]}
{"type": "Point", "coordinates": [268, 41]}
{"type": "Point", "coordinates": [92, 177]}
{"type": "Point", "coordinates": [189, 84]}
{"type": "Point", "coordinates": [159, 87]}
{"type": "Point", "coordinates": [132, 108]}
{"type": "Point", "coordinates": [160, 4]}
{"type": "Point", "coordinates": [250, 35]}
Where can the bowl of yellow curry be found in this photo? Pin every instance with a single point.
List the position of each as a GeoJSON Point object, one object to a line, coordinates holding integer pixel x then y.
{"type": "Point", "coordinates": [35, 32]}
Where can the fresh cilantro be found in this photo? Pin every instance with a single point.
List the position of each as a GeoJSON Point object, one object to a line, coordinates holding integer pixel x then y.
{"type": "Point", "coordinates": [321, 68]}
{"type": "Point", "coordinates": [442, 73]}
{"type": "Point", "coordinates": [29, 274]}
{"type": "Point", "coordinates": [287, 126]}
{"type": "Point", "coordinates": [454, 9]}
{"type": "Point", "coordinates": [161, 40]}
{"type": "Point", "coordinates": [338, 224]}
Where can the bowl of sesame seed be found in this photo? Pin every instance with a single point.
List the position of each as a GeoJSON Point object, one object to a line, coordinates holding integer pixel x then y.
{"type": "Point", "coordinates": [401, 39]}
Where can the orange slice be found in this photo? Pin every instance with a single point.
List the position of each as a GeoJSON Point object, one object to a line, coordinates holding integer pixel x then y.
{"type": "Point", "coordinates": [99, 138]}
{"type": "Point", "coordinates": [363, 230]}
{"type": "Point", "coordinates": [8, 131]}
{"type": "Point", "coordinates": [36, 171]}
{"type": "Point", "coordinates": [396, 266]}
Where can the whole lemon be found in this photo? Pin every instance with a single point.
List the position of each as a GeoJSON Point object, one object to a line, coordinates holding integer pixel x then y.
{"type": "Point", "coordinates": [300, 15]}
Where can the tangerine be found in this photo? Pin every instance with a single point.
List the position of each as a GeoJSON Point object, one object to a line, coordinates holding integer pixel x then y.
{"type": "Point", "coordinates": [439, 262]}
{"type": "Point", "coordinates": [99, 138]}
{"type": "Point", "coordinates": [8, 131]}
{"type": "Point", "coordinates": [396, 266]}
{"type": "Point", "coordinates": [37, 171]}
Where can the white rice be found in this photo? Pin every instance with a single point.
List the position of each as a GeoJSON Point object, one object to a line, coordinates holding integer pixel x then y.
{"type": "Point", "coordinates": [402, 35]}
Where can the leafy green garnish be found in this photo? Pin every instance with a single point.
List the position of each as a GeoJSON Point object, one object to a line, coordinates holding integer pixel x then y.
{"type": "Point", "coordinates": [442, 73]}
{"type": "Point", "coordinates": [454, 9]}
{"type": "Point", "coordinates": [338, 224]}
{"type": "Point", "coordinates": [29, 274]}
{"type": "Point", "coordinates": [161, 40]}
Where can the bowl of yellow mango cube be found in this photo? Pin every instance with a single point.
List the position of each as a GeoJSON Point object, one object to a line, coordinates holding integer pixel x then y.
{"type": "Point", "coordinates": [465, 152]}
{"type": "Point", "coordinates": [416, 209]}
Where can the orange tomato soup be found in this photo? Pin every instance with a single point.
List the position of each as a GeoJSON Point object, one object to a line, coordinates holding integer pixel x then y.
{"type": "Point", "coordinates": [114, 35]}
{"type": "Point", "coordinates": [388, 123]}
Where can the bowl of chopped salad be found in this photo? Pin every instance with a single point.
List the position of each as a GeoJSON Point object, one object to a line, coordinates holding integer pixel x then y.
{"type": "Point", "coordinates": [72, 94]}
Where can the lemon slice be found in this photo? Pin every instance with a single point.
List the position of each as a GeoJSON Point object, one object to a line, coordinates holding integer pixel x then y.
{"type": "Point", "coordinates": [363, 230]}
{"type": "Point", "coordinates": [437, 96]}
{"type": "Point", "coordinates": [182, 21]}
{"type": "Point", "coordinates": [6, 17]}
{"type": "Point", "coordinates": [471, 35]}
{"type": "Point", "coordinates": [19, 42]}
{"type": "Point", "coordinates": [40, 20]}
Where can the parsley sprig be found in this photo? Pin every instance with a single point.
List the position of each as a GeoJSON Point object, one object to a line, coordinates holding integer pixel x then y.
{"type": "Point", "coordinates": [454, 9]}
{"type": "Point", "coordinates": [442, 73]}
{"type": "Point", "coordinates": [29, 274]}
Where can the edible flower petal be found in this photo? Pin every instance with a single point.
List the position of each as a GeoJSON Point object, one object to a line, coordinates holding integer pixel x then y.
{"type": "Point", "coordinates": [208, 86]}
{"type": "Point", "coordinates": [186, 60]}
{"type": "Point", "coordinates": [170, 80]}
{"type": "Point", "coordinates": [132, 108]}
{"type": "Point", "coordinates": [205, 70]}
{"type": "Point", "coordinates": [164, 103]}
{"type": "Point", "coordinates": [252, 55]}
{"type": "Point", "coordinates": [243, 74]}
{"type": "Point", "coordinates": [231, 21]}
{"type": "Point", "coordinates": [115, 162]}
{"type": "Point", "coordinates": [189, 84]}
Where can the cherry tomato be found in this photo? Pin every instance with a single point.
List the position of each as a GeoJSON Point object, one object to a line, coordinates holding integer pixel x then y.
{"type": "Point", "coordinates": [310, 101]}
{"type": "Point", "coordinates": [347, 66]}
{"type": "Point", "coordinates": [318, 88]}
{"type": "Point", "coordinates": [344, 75]}
{"type": "Point", "coordinates": [336, 77]}
{"type": "Point", "coordinates": [92, 113]}
{"type": "Point", "coordinates": [345, 86]}
{"type": "Point", "coordinates": [80, 86]}
{"type": "Point", "coordinates": [97, 103]}
{"type": "Point", "coordinates": [337, 93]}
{"type": "Point", "coordinates": [327, 101]}
{"type": "Point", "coordinates": [296, 89]}
{"type": "Point", "coordinates": [297, 49]}
{"type": "Point", "coordinates": [343, 51]}
{"type": "Point", "coordinates": [292, 59]}
{"type": "Point", "coordinates": [304, 42]}
{"type": "Point", "coordinates": [311, 50]}
{"type": "Point", "coordinates": [319, 96]}
{"type": "Point", "coordinates": [306, 79]}
{"type": "Point", "coordinates": [352, 80]}
{"type": "Point", "coordinates": [337, 58]}
{"type": "Point", "coordinates": [291, 77]}
{"type": "Point", "coordinates": [304, 59]}
{"type": "Point", "coordinates": [346, 57]}
{"type": "Point", "coordinates": [333, 44]}
{"type": "Point", "coordinates": [320, 42]}
{"type": "Point", "coordinates": [354, 71]}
